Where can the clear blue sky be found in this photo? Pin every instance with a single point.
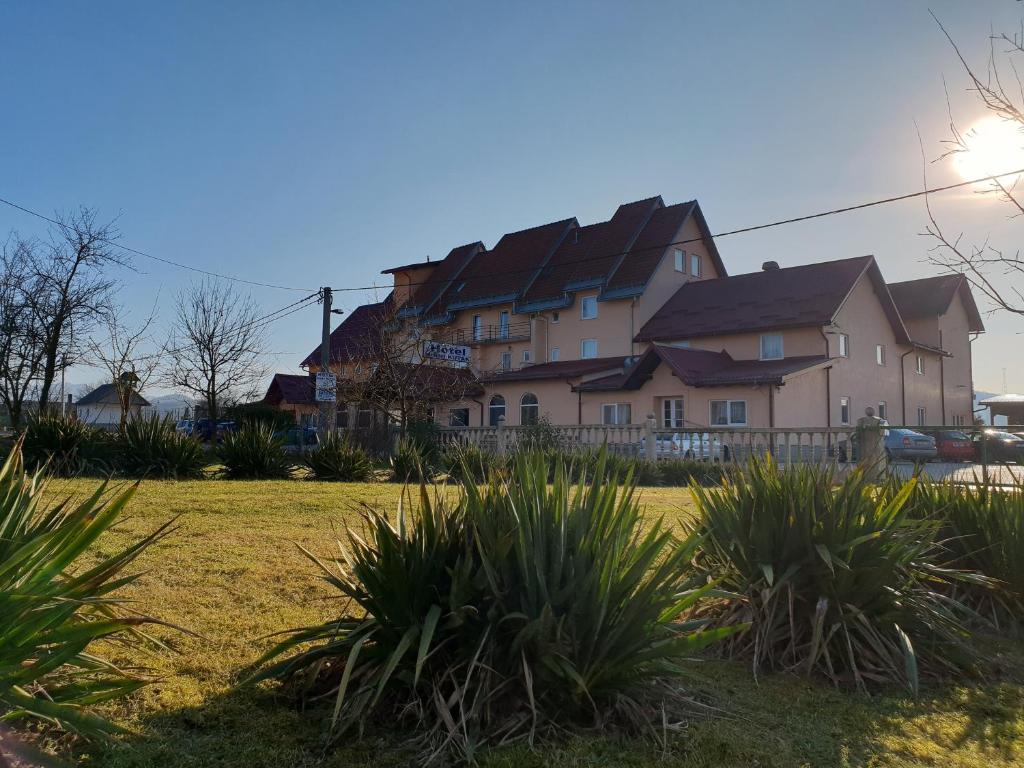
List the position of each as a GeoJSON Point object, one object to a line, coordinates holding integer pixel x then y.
{"type": "Point", "coordinates": [312, 143]}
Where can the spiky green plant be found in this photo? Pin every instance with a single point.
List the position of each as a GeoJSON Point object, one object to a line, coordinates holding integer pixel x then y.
{"type": "Point", "coordinates": [513, 608]}
{"type": "Point", "coordinates": [55, 607]}
{"type": "Point", "coordinates": [152, 448]}
{"type": "Point", "coordinates": [837, 578]}
{"type": "Point", "coordinates": [683, 472]}
{"type": "Point", "coordinates": [253, 453]}
{"type": "Point", "coordinates": [338, 458]}
{"type": "Point", "coordinates": [68, 446]}
{"type": "Point", "coordinates": [412, 461]}
{"type": "Point", "coordinates": [983, 529]}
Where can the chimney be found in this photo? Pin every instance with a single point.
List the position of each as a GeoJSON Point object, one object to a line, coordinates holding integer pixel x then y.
{"type": "Point", "coordinates": [768, 266]}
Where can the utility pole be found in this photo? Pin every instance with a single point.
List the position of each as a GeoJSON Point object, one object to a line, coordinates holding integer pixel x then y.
{"type": "Point", "coordinates": [327, 408]}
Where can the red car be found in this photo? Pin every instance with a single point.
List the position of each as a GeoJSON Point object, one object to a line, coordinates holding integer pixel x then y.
{"type": "Point", "coordinates": [954, 445]}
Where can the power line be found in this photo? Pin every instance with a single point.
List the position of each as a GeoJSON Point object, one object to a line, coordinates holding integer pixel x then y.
{"type": "Point", "coordinates": [754, 228]}
{"type": "Point", "coordinates": [159, 258]}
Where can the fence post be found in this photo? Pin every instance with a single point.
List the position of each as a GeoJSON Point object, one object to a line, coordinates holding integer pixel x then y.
{"type": "Point", "coordinates": [872, 444]}
{"type": "Point", "coordinates": [650, 446]}
{"type": "Point", "coordinates": [500, 436]}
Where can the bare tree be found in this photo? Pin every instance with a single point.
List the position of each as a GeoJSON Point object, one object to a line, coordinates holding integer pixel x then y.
{"type": "Point", "coordinates": [996, 272]}
{"type": "Point", "coordinates": [73, 288]}
{"type": "Point", "coordinates": [21, 330]}
{"type": "Point", "coordinates": [120, 353]}
{"type": "Point", "coordinates": [217, 346]}
{"type": "Point", "coordinates": [391, 374]}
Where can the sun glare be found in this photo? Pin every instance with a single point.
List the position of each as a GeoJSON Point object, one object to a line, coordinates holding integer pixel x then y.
{"type": "Point", "coordinates": [992, 146]}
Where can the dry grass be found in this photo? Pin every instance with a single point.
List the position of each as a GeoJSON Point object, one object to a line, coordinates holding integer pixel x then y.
{"type": "Point", "coordinates": [233, 574]}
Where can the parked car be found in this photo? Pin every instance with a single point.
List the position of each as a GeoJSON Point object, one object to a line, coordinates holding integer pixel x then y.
{"type": "Point", "coordinates": [208, 430]}
{"type": "Point", "coordinates": [689, 445]}
{"type": "Point", "coordinates": [999, 446]}
{"type": "Point", "coordinates": [184, 426]}
{"type": "Point", "coordinates": [902, 443]}
{"type": "Point", "coordinates": [954, 445]}
{"type": "Point", "coordinates": [296, 438]}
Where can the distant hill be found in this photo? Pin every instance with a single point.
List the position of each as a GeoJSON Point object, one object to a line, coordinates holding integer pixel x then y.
{"type": "Point", "coordinates": [173, 405]}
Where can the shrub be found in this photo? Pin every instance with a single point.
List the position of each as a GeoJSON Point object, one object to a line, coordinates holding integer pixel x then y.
{"type": "Point", "coordinates": [338, 458]}
{"type": "Point", "coordinates": [493, 615]}
{"type": "Point", "coordinates": [68, 446]}
{"type": "Point", "coordinates": [412, 460]}
{"type": "Point", "coordinates": [470, 462]}
{"type": "Point", "coordinates": [151, 447]}
{"type": "Point", "coordinates": [682, 472]}
{"type": "Point", "coordinates": [56, 607]}
{"type": "Point", "coordinates": [254, 453]}
{"type": "Point", "coordinates": [540, 436]}
{"type": "Point", "coordinates": [983, 528]}
{"type": "Point", "coordinates": [839, 581]}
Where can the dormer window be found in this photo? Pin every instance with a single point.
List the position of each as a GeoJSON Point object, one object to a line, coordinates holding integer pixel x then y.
{"type": "Point", "coordinates": [588, 308]}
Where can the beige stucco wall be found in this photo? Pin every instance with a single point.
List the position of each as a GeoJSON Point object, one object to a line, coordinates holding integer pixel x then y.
{"type": "Point", "coordinates": [801, 401]}
{"type": "Point", "coordinates": [406, 281]}
{"type": "Point", "coordinates": [957, 370]}
{"type": "Point", "coordinates": [796, 342]}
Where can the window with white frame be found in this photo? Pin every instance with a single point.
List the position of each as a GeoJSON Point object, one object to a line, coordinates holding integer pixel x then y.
{"type": "Point", "coordinates": [844, 410]}
{"type": "Point", "coordinates": [695, 264]}
{"type": "Point", "coordinates": [478, 328]}
{"type": "Point", "coordinates": [588, 349]}
{"type": "Point", "coordinates": [672, 413]}
{"type": "Point", "coordinates": [922, 416]}
{"type": "Point", "coordinates": [883, 410]}
{"type": "Point", "coordinates": [588, 308]}
{"type": "Point", "coordinates": [554, 354]}
{"type": "Point", "coordinates": [880, 354]}
{"type": "Point", "coordinates": [616, 413]}
{"type": "Point", "coordinates": [527, 356]}
{"type": "Point", "coordinates": [495, 410]}
{"type": "Point", "coordinates": [729, 413]}
{"type": "Point", "coordinates": [771, 346]}
{"type": "Point", "coordinates": [920, 364]}
{"type": "Point", "coordinates": [503, 323]}
{"type": "Point", "coordinates": [529, 409]}
{"type": "Point", "coordinates": [506, 361]}
{"type": "Point", "coordinates": [680, 257]}
{"type": "Point", "coordinates": [844, 345]}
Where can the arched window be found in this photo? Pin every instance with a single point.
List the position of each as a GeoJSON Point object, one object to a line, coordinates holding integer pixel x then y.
{"type": "Point", "coordinates": [529, 409]}
{"type": "Point", "coordinates": [496, 410]}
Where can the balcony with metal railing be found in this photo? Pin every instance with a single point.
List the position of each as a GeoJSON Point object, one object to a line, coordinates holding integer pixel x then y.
{"type": "Point", "coordinates": [489, 334]}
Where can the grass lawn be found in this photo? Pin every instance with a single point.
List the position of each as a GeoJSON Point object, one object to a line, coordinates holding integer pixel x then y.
{"type": "Point", "coordinates": [232, 574]}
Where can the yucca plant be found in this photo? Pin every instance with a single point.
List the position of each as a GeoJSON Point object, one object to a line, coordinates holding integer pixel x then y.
{"type": "Point", "coordinates": [412, 461]}
{"type": "Point", "coordinates": [152, 448]}
{"type": "Point", "coordinates": [838, 578]}
{"type": "Point", "coordinates": [253, 453]}
{"type": "Point", "coordinates": [470, 462]}
{"type": "Point", "coordinates": [983, 529]}
{"type": "Point", "coordinates": [339, 458]}
{"type": "Point", "coordinates": [68, 446]}
{"type": "Point", "coordinates": [55, 608]}
{"type": "Point", "coordinates": [499, 614]}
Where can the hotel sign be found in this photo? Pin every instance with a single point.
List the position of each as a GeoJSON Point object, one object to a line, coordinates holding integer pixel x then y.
{"type": "Point", "coordinates": [451, 353]}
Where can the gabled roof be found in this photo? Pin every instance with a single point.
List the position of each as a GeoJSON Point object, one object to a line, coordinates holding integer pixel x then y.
{"type": "Point", "coordinates": [563, 369]}
{"type": "Point", "coordinates": [931, 297]}
{"type": "Point", "coordinates": [591, 253]}
{"type": "Point", "coordinates": [808, 295]}
{"type": "Point", "coordinates": [357, 337]}
{"type": "Point", "coordinates": [106, 394]}
{"type": "Point", "coordinates": [289, 388]}
{"type": "Point", "coordinates": [406, 267]}
{"type": "Point", "coordinates": [704, 368]}
{"type": "Point", "coordinates": [541, 267]}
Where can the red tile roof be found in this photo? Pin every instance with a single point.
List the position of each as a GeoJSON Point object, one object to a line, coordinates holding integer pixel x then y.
{"type": "Point", "coordinates": [931, 297]}
{"type": "Point", "coordinates": [591, 252]}
{"type": "Point", "coordinates": [563, 369]}
{"type": "Point", "coordinates": [289, 388]}
{"type": "Point", "coordinates": [357, 337]}
{"type": "Point", "coordinates": [795, 297]}
{"type": "Point", "coordinates": [425, 294]}
{"type": "Point", "coordinates": [703, 368]}
{"type": "Point", "coordinates": [405, 267]}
